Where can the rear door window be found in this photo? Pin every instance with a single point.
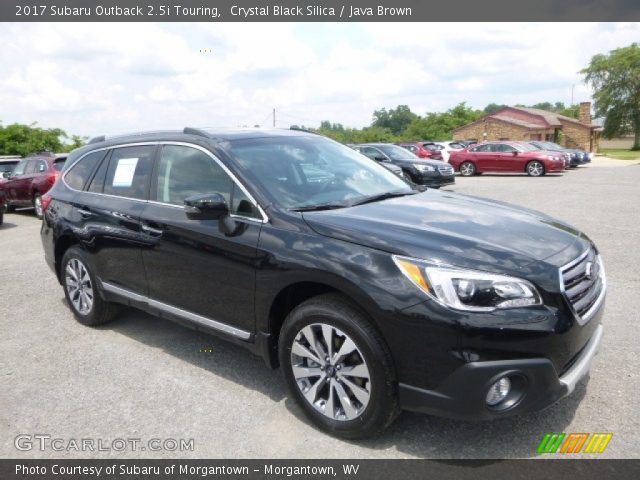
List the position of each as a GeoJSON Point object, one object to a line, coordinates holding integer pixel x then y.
{"type": "Point", "coordinates": [31, 167]}
{"type": "Point", "coordinates": [129, 172]}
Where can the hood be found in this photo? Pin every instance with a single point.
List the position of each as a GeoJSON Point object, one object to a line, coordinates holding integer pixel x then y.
{"type": "Point", "coordinates": [454, 229]}
{"type": "Point", "coordinates": [421, 161]}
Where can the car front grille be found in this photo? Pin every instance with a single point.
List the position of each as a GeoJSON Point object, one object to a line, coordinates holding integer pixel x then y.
{"type": "Point", "coordinates": [584, 284]}
{"type": "Point", "coordinates": [446, 170]}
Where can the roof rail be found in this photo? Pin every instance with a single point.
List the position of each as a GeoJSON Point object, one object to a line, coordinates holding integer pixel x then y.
{"type": "Point", "coordinates": [98, 139]}
{"type": "Point", "coordinates": [41, 154]}
{"type": "Point", "coordinates": [307, 130]}
{"type": "Point", "coordinates": [195, 131]}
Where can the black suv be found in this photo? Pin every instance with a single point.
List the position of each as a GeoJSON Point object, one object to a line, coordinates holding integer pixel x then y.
{"type": "Point", "coordinates": [432, 173]}
{"type": "Point", "coordinates": [371, 296]}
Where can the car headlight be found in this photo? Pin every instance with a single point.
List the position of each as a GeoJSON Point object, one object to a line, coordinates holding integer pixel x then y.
{"type": "Point", "coordinates": [468, 290]}
{"type": "Point", "coordinates": [424, 168]}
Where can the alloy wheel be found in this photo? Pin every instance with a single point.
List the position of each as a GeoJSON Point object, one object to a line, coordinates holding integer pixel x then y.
{"type": "Point", "coordinates": [535, 169]}
{"type": "Point", "coordinates": [79, 286]}
{"type": "Point", "coordinates": [331, 372]}
{"type": "Point", "coordinates": [37, 203]}
{"type": "Point", "coordinates": [467, 169]}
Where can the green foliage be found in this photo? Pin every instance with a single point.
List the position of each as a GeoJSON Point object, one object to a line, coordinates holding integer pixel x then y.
{"type": "Point", "coordinates": [439, 126]}
{"type": "Point", "coordinates": [353, 135]}
{"type": "Point", "coordinates": [396, 120]}
{"type": "Point", "coordinates": [572, 111]}
{"type": "Point", "coordinates": [615, 79]}
{"type": "Point", "coordinates": [492, 107]}
{"type": "Point", "coordinates": [18, 139]}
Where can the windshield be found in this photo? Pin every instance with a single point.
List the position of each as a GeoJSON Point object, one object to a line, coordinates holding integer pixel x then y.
{"type": "Point", "coordinates": [397, 153]}
{"type": "Point", "coordinates": [298, 172]}
{"type": "Point", "coordinates": [553, 146]}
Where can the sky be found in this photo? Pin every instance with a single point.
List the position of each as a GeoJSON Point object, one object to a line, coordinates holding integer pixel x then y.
{"type": "Point", "coordinates": [109, 78]}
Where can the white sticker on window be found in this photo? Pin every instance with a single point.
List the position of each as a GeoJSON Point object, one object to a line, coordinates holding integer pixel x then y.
{"type": "Point", "coordinates": [123, 177]}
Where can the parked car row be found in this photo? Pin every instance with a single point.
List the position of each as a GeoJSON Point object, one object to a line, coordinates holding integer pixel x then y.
{"type": "Point", "coordinates": [29, 179]}
{"type": "Point", "coordinates": [533, 158]}
{"type": "Point", "coordinates": [420, 171]}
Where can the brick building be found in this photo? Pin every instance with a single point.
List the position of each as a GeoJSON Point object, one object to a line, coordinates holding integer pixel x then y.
{"type": "Point", "coordinates": [519, 123]}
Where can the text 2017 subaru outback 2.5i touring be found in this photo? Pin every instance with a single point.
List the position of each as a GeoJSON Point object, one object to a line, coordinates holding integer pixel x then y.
{"type": "Point", "coordinates": [372, 297]}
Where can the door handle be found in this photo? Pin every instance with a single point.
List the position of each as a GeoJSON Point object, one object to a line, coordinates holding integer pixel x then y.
{"type": "Point", "coordinates": [151, 231]}
{"type": "Point", "coordinates": [85, 213]}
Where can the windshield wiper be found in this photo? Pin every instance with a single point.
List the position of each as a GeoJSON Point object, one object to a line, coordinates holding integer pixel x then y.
{"type": "Point", "coordinates": [320, 206]}
{"type": "Point", "coordinates": [382, 196]}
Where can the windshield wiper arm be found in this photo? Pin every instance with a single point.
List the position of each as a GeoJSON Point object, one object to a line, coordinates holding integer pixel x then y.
{"type": "Point", "coordinates": [320, 206]}
{"type": "Point", "coordinates": [382, 196]}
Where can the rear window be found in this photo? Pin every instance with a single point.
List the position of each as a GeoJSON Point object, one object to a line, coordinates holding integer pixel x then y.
{"type": "Point", "coordinates": [79, 173]}
{"type": "Point", "coordinates": [59, 163]}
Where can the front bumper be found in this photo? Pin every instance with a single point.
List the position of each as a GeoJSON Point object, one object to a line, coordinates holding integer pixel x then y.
{"type": "Point", "coordinates": [536, 385]}
{"type": "Point", "coordinates": [433, 179]}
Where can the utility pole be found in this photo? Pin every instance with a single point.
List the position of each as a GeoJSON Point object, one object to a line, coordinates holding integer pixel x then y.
{"type": "Point", "coordinates": [274, 118]}
{"type": "Point", "coordinates": [572, 94]}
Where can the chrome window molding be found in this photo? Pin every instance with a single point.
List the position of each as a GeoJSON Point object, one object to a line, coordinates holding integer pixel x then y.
{"type": "Point", "coordinates": [185, 314]}
{"type": "Point", "coordinates": [265, 217]}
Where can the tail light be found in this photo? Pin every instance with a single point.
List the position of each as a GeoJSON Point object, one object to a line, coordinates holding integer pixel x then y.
{"type": "Point", "coordinates": [46, 201]}
{"type": "Point", "coordinates": [53, 178]}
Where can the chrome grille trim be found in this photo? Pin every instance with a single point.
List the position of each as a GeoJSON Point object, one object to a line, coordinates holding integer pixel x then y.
{"type": "Point", "coordinates": [583, 293]}
{"type": "Point", "coordinates": [447, 170]}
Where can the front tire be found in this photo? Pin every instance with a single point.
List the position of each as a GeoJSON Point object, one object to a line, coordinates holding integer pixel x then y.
{"type": "Point", "coordinates": [80, 289]}
{"type": "Point", "coordinates": [338, 368]}
{"type": "Point", "coordinates": [535, 168]}
{"type": "Point", "coordinates": [467, 169]}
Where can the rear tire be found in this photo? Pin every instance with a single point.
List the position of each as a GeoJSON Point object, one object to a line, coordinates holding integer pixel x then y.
{"type": "Point", "coordinates": [37, 205]}
{"type": "Point", "coordinates": [341, 339]}
{"type": "Point", "coordinates": [467, 169]}
{"type": "Point", "coordinates": [81, 289]}
{"type": "Point", "coordinates": [535, 168]}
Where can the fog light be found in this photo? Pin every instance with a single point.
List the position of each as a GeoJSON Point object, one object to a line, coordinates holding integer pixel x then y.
{"type": "Point", "coordinates": [498, 391]}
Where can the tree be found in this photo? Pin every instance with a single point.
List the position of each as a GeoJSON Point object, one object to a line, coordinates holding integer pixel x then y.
{"type": "Point", "coordinates": [439, 126]}
{"type": "Point", "coordinates": [17, 139]}
{"type": "Point", "coordinates": [396, 120]}
{"type": "Point", "coordinates": [615, 79]}
{"type": "Point", "coordinates": [492, 107]}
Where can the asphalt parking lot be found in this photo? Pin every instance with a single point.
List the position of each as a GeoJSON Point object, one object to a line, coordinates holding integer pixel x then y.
{"type": "Point", "coordinates": [143, 377]}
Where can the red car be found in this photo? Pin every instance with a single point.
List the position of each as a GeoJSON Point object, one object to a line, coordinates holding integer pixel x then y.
{"type": "Point", "coordinates": [424, 150]}
{"type": "Point", "coordinates": [506, 157]}
{"type": "Point", "coordinates": [31, 178]}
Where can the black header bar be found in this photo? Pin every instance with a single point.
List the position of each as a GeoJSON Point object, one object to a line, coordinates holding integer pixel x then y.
{"type": "Point", "coordinates": [318, 10]}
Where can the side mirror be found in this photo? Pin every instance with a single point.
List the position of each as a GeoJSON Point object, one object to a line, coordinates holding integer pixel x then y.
{"type": "Point", "coordinates": [6, 174]}
{"type": "Point", "coordinates": [210, 206]}
{"type": "Point", "coordinates": [515, 153]}
{"type": "Point", "coordinates": [380, 158]}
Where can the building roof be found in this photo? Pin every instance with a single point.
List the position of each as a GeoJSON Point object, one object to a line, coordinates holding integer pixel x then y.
{"type": "Point", "coordinates": [530, 118]}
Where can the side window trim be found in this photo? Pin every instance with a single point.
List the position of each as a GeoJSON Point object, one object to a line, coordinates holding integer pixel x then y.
{"type": "Point", "coordinates": [231, 175]}
{"type": "Point", "coordinates": [234, 179]}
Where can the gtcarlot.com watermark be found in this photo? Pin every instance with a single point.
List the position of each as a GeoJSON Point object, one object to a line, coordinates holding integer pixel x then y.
{"type": "Point", "coordinates": [26, 442]}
